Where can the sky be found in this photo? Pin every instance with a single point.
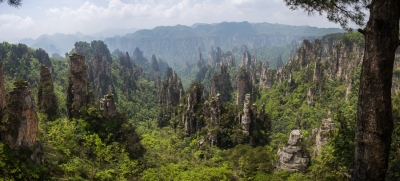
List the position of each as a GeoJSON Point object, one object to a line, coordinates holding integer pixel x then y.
{"type": "Point", "coordinates": [37, 17]}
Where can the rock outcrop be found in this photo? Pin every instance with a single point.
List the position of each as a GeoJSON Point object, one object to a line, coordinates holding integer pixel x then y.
{"type": "Point", "coordinates": [107, 106]}
{"type": "Point", "coordinates": [246, 60]}
{"type": "Point", "coordinates": [292, 157]}
{"type": "Point", "coordinates": [2, 90]}
{"type": "Point", "coordinates": [214, 111]}
{"type": "Point", "coordinates": [221, 84]}
{"type": "Point", "coordinates": [77, 91]}
{"type": "Point", "coordinates": [244, 86]}
{"type": "Point", "coordinates": [323, 134]}
{"type": "Point", "coordinates": [191, 119]}
{"type": "Point", "coordinates": [20, 122]}
{"type": "Point", "coordinates": [169, 93]}
{"type": "Point", "coordinates": [98, 57]}
{"type": "Point", "coordinates": [127, 74]}
{"type": "Point", "coordinates": [44, 58]}
{"type": "Point", "coordinates": [155, 69]}
{"type": "Point", "coordinates": [246, 117]}
{"type": "Point", "coordinates": [47, 100]}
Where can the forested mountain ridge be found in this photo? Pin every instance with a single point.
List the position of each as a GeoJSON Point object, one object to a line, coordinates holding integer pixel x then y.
{"type": "Point", "coordinates": [228, 125]}
{"type": "Point", "coordinates": [180, 44]}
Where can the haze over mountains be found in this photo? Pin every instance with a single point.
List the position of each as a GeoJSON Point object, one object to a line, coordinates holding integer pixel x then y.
{"type": "Point", "coordinates": [178, 44]}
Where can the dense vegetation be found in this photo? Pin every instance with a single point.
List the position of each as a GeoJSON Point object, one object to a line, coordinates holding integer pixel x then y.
{"type": "Point", "coordinates": [133, 145]}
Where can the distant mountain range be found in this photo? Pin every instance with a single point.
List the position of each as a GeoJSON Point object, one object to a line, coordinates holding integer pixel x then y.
{"type": "Point", "coordinates": [180, 44]}
{"type": "Point", "coordinates": [62, 43]}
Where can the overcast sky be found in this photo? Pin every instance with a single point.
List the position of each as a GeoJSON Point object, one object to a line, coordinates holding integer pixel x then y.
{"type": "Point", "coordinates": [37, 17]}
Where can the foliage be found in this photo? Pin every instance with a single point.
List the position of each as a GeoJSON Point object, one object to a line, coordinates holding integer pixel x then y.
{"type": "Point", "coordinates": [337, 156]}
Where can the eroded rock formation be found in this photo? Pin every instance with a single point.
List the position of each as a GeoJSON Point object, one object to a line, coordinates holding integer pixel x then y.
{"type": "Point", "coordinates": [47, 100]}
{"type": "Point", "coordinates": [323, 134]}
{"type": "Point", "coordinates": [20, 122]}
{"type": "Point", "coordinates": [98, 57]}
{"type": "Point", "coordinates": [107, 106]}
{"type": "Point", "coordinates": [246, 117]}
{"type": "Point", "coordinates": [244, 86]}
{"type": "Point", "coordinates": [170, 92]}
{"type": "Point", "coordinates": [214, 109]}
{"type": "Point", "coordinates": [191, 120]}
{"type": "Point", "coordinates": [221, 84]}
{"type": "Point", "coordinates": [155, 69]}
{"type": "Point", "coordinates": [77, 91]}
{"type": "Point", "coordinates": [127, 74]}
{"type": "Point", "coordinates": [293, 157]}
{"type": "Point", "coordinates": [44, 58]}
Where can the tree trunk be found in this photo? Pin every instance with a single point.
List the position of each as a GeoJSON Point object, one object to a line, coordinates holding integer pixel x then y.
{"type": "Point", "coordinates": [374, 117]}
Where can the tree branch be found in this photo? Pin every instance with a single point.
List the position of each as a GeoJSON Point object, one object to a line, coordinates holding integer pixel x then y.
{"type": "Point", "coordinates": [361, 31]}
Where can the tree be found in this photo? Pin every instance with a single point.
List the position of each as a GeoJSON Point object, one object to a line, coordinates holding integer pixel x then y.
{"type": "Point", "coordinates": [374, 123]}
{"type": "Point", "coordinates": [15, 3]}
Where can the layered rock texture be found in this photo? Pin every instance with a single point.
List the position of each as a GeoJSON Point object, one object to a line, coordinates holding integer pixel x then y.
{"type": "Point", "coordinates": [293, 157]}
{"type": "Point", "coordinates": [20, 122]}
{"type": "Point", "coordinates": [47, 100]}
{"type": "Point", "coordinates": [107, 106]}
{"type": "Point", "coordinates": [77, 91]}
{"type": "Point", "coordinates": [323, 134]}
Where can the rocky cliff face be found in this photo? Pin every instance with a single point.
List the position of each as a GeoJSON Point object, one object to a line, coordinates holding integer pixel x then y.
{"type": "Point", "coordinates": [99, 59]}
{"type": "Point", "coordinates": [213, 110]}
{"type": "Point", "coordinates": [333, 57]}
{"type": "Point", "coordinates": [169, 93]}
{"type": "Point", "coordinates": [221, 84]}
{"type": "Point", "coordinates": [107, 106]}
{"type": "Point", "coordinates": [323, 134]}
{"type": "Point", "coordinates": [77, 91]}
{"type": "Point", "coordinates": [244, 85]}
{"type": "Point", "coordinates": [47, 100]}
{"type": "Point", "coordinates": [2, 90]}
{"type": "Point", "coordinates": [127, 73]}
{"type": "Point", "coordinates": [20, 123]}
{"type": "Point", "coordinates": [292, 157]}
{"type": "Point", "coordinates": [191, 119]}
{"type": "Point", "coordinates": [44, 58]}
{"type": "Point", "coordinates": [155, 69]}
{"type": "Point", "coordinates": [246, 60]}
{"type": "Point", "coordinates": [246, 117]}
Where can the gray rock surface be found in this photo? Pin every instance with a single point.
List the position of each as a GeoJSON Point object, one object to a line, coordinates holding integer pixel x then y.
{"type": "Point", "coordinates": [292, 157]}
{"type": "Point", "coordinates": [323, 134]}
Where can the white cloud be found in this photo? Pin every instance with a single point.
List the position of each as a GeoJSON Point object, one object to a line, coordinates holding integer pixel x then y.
{"type": "Point", "coordinates": [11, 21]}
{"type": "Point", "coordinates": [96, 15]}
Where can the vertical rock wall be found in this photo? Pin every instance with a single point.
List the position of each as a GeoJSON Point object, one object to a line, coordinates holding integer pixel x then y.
{"type": "Point", "coordinates": [47, 100]}
{"type": "Point", "coordinates": [107, 106]}
{"type": "Point", "coordinates": [77, 91]}
{"type": "Point", "coordinates": [20, 123]}
{"type": "Point", "coordinates": [244, 85]}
